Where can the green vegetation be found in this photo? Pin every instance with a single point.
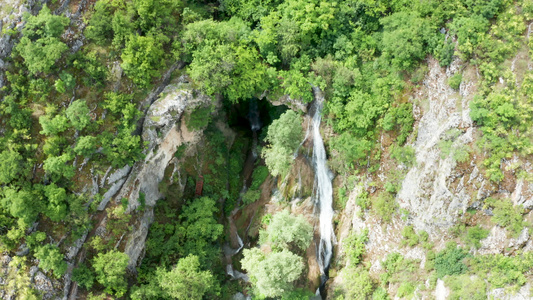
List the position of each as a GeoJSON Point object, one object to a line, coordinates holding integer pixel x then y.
{"type": "Point", "coordinates": [286, 231]}
{"type": "Point", "coordinates": [449, 261]}
{"type": "Point", "coordinates": [506, 214]}
{"type": "Point", "coordinates": [40, 45]}
{"type": "Point", "coordinates": [455, 81]}
{"type": "Point", "coordinates": [110, 269]}
{"type": "Point", "coordinates": [474, 235]}
{"type": "Point", "coordinates": [284, 135]}
{"type": "Point", "coordinates": [273, 274]}
{"type": "Point", "coordinates": [70, 117]}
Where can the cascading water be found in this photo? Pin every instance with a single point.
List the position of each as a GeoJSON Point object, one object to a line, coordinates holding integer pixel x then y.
{"type": "Point", "coordinates": [324, 189]}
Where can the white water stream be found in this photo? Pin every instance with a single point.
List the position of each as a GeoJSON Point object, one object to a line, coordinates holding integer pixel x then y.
{"type": "Point", "coordinates": [324, 189]}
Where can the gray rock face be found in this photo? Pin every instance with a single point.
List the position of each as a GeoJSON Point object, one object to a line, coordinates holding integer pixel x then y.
{"type": "Point", "coordinates": [164, 130]}
{"type": "Point", "coordinates": [432, 190]}
{"type": "Point", "coordinates": [48, 288]}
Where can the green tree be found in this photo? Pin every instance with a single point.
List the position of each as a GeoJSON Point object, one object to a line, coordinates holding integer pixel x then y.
{"type": "Point", "coordinates": [78, 114]}
{"type": "Point", "coordinates": [24, 204]}
{"type": "Point", "coordinates": [99, 28]}
{"type": "Point", "coordinates": [40, 45]}
{"type": "Point", "coordinates": [273, 274]}
{"type": "Point", "coordinates": [288, 231]}
{"type": "Point", "coordinates": [86, 146]}
{"type": "Point", "coordinates": [110, 268]}
{"type": "Point", "coordinates": [284, 136]}
{"type": "Point", "coordinates": [199, 229]}
{"type": "Point", "coordinates": [58, 167]}
{"type": "Point", "coordinates": [83, 276]}
{"type": "Point", "coordinates": [405, 38]}
{"type": "Point", "coordinates": [450, 261]}
{"type": "Point", "coordinates": [124, 148]}
{"type": "Point", "coordinates": [186, 280]}
{"type": "Point", "coordinates": [56, 208]}
{"type": "Point", "coordinates": [357, 283]}
{"type": "Point", "coordinates": [50, 258]}
{"type": "Point", "coordinates": [474, 235]}
{"type": "Point", "coordinates": [156, 14]}
{"type": "Point", "coordinates": [142, 58]}
{"type": "Point", "coordinates": [52, 126]}
{"type": "Point", "coordinates": [10, 165]}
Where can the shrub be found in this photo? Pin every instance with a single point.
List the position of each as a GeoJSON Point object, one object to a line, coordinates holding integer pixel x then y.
{"type": "Point", "coordinates": [450, 261]}
{"type": "Point", "coordinates": [404, 155]}
{"type": "Point", "coordinates": [40, 45]}
{"type": "Point", "coordinates": [455, 81]}
{"type": "Point", "coordinates": [272, 274]}
{"type": "Point", "coordinates": [506, 214]}
{"type": "Point", "coordinates": [258, 177]}
{"type": "Point", "coordinates": [400, 118]}
{"type": "Point", "coordinates": [50, 258]}
{"type": "Point", "coordinates": [409, 235]}
{"type": "Point", "coordinates": [251, 196]}
{"type": "Point", "coordinates": [83, 276]}
{"type": "Point", "coordinates": [355, 246]}
{"type": "Point", "coordinates": [385, 206]}
{"type": "Point", "coordinates": [110, 270]}
{"type": "Point", "coordinates": [406, 289]}
{"type": "Point", "coordinates": [474, 235]}
{"type": "Point", "coordinates": [357, 283]}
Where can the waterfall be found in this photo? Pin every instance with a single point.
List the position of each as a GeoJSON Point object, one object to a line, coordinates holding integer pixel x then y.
{"type": "Point", "coordinates": [324, 189]}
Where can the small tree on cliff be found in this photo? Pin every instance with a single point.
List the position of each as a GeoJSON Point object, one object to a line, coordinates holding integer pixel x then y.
{"type": "Point", "coordinates": [110, 269]}
{"type": "Point", "coordinates": [284, 136]}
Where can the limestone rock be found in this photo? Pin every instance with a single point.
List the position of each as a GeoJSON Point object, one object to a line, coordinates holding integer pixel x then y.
{"type": "Point", "coordinates": [164, 130]}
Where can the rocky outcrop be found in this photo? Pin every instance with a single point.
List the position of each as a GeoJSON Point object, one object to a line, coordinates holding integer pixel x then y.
{"type": "Point", "coordinates": [15, 279]}
{"type": "Point", "coordinates": [433, 190]}
{"type": "Point", "coordinates": [11, 13]}
{"type": "Point", "coordinates": [164, 130]}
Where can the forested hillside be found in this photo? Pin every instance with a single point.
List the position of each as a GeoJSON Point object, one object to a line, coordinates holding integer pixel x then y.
{"type": "Point", "coordinates": [174, 149]}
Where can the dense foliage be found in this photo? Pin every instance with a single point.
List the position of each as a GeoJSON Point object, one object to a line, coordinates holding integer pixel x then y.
{"type": "Point", "coordinates": [72, 112]}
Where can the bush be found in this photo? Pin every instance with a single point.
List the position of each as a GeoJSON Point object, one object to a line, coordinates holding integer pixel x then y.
{"type": "Point", "coordinates": [409, 235]}
{"type": "Point", "coordinates": [355, 246]}
{"type": "Point", "coordinates": [83, 276]}
{"type": "Point", "coordinates": [251, 196]}
{"type": "Point", "coordinates": [258, 177]}
{"type": "Point", "coordinates": [385, 206]}
{"type": "Point", "coordinates": [455, 81]}
{"type": "Point", "coordinates": [401, 119]}
{"type": "Point", "coordinates": [357, 283]}
{"type": "Point", "coordinates": [506, 214]}
{"type": "Point", "coordinates": [466, 287]}
{"type": "Point", "coordinates": [406, 289]}
{"type": "Point", "coordinates": [288, 231]}
{"type": "Point", "coordinates": [474, 235]}
{"type": "Point", "coordinates": [40, 45]}
{"type": "Point", "coordinates": [404, 155]}
{"type": "Point", "coordinates": [273, 274]}
{"type": "Point", "coordinates": [450, 261]}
